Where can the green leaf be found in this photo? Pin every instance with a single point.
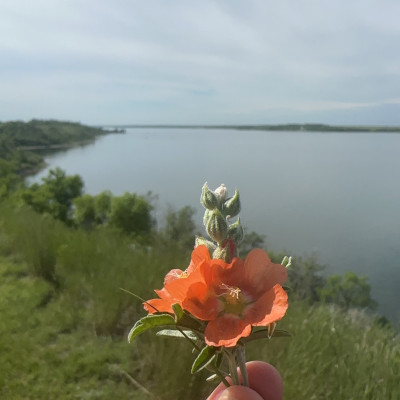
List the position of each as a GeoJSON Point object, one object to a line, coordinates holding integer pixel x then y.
{"type": "Point", "coordinates": [177, 334]}
{"type": "Point", "coordinates": [205, 357]}
{"type": "Point", "coordinates": [218, 360]}
{"type": "Point", "coordinates": [150, 321]}
{"type": "Point", "coordinates": [263, 334]}
{"type": "Point", "coordinates": [281, 333]}
{"type": "Point", "coordinates": [212, 378]}
{"type": "Point", "coordinates": [177, 311]}
{"type": "Point", "coordinates": [186, 320]}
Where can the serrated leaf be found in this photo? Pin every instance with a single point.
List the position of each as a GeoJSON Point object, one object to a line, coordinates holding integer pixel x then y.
{"type": "Point", "coordinates": [205, 357]}
{"type": "Point", "coordinates": [177, 334]}
{"type": "Point", "coordinates": [150, 321]}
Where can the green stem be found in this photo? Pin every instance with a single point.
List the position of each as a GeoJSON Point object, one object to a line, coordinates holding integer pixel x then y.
{"type": "Point", "coordinates": [214, 369]}
{"type": "Point", "coordinates": [188, 338]}
{"type": "Point", "coordinates": [241, 360]}
{"type": "Point", "coordinates": [233, 367]}
{"type": "Point", "coordinates": [220, 376]}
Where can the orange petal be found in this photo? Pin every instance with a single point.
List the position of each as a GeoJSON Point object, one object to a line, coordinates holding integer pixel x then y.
{"type": "Point", "coordinates": [200, 254]}
{"type": "Point", "coordinates": [158, 305]}
{"type": "Point", "coordinates": [260, 273]}
{"type": "Point", "coordinates": [172, 275]}
{"type": "Point", "coordinates": [226, 331]}
{"type": "Point", "coordinates": [201, 303]}
{"type": "Point", "coordinates": [269, 308]}
{"type": "Point", "coordinates": [178, 288]}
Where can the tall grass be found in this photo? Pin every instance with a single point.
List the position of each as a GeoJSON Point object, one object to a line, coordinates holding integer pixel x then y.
{"type": "Point", "coordinates": [334, 354]}
{"type": "Point", "coordinates": [33, 236]}
{"type": "Point", "coordinates": [74, 307]}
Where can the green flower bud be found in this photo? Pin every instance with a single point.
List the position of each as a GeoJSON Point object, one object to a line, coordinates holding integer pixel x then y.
{"type": "Point", "coordinates": [226, 251]}
{"type": "Point", "coordinates": [208, 198]}
{"type": "Point", "coordinates": [216, 226]}
{"type": "Point", "coordinates": [232, 205]}
{"type": "Point", "coordinates": [207, 215]}
{"type": "Point", "coordinates": [202, 241]}
{"type": "Point", "coordinates": [235, 232]}
{"type": "Point", "coordinates": [221, 192]}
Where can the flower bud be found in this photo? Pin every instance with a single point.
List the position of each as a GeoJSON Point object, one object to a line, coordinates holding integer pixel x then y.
{"type": "Point", "coordinates": [232, 205]}
{"type": "Point", "coordinates": [235, 232]}
{"type": "Point", "coordinates": [202, 241]}
{"type": "Point", "coordinates": [208, 198]}
{"type": "Point", "coordinates": [226, 252]}
{"type": "Point", "coordinates": [216, 226]}
{"type": "Point", "coordinates": [207, 215]}
{"type": "Point", "coordinates": [221, 192]}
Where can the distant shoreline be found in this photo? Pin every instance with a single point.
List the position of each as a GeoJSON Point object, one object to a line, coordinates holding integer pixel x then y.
{"type": "Point", "coordinates": [279, 127]}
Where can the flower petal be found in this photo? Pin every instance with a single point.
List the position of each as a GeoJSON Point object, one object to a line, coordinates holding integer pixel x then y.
{"type": "Point", "coordinates": [226, 331]}
{"type": "Point", "coordinates": [260, 274]}
{"type": "Point", "coordinates": [173, 274]}
{"type": "Point", "coordinates": [158, 305]}
{"type": "Point", "coordinates": [269, 308]}
{"type": "Point", "coordinates": [201, 303]}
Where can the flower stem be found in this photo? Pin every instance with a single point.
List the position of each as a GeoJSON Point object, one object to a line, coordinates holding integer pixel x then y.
{"type": "Point", "coordinates": [241, 360]}
{"type": "Point", "coordinates": [221, 376]}
{"type": "Point", "coordinates": [233, 366]}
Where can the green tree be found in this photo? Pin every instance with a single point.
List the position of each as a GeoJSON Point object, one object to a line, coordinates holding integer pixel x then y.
{"type": "Point", "coordinates": [180, 227]}
{"type": "Point", "coordinates": [250, 241]}
{"type": "Point", "coordinates": [8, 179]}
{"type": "Point", "coordinates": [131, 214]}
{"type": "Point", "coordinates": [305, 278]}
{"type": "Point", "coordinates": [348, 291]}
{"type": "Point", "coordinates": [84, 212]}
{"type": "Point", "coordinates": [102, 205]}
{"type": "Point", "coordinates": [55, 194]}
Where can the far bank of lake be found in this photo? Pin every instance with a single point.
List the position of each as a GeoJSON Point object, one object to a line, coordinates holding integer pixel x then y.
{"type": "Point", "coordinates": [332, 194]}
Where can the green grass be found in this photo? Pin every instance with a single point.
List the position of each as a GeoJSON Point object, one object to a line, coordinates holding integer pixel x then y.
{"type": "Point", "coordinates": [334, 354]}
{"type": "Point", "coordinates": [64, 321]}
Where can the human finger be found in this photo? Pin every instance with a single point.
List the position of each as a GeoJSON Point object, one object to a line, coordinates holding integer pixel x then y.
{"type": "Point", "coordinates": [264, 380]}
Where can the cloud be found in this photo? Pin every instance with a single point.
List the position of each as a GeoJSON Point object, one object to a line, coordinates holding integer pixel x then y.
{"type": "Point", "coordinates": [199, 62]}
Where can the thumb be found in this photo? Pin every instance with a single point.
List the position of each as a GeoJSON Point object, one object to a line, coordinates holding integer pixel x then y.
{"type": "Point", "coordinates": [239, 393]}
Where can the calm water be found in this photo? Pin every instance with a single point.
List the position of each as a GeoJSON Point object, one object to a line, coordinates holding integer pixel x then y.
{"type": "Point", "coordinates": [333, 194]}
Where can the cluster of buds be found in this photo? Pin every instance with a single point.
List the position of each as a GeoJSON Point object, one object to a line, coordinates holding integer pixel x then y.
{"type": "Point", "coordinates": [220, 209]}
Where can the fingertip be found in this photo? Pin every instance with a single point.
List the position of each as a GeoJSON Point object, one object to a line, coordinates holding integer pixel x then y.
{"type": "Point", "coordinates": [238, 393]}
{"type": "Point", "coordinates": [265, 380]}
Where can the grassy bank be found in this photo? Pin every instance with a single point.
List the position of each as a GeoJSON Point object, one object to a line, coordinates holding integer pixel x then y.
{"type": "Point", "coordinates": [19, 141]}
{"type": "Point", "coordinates": [64, 321]}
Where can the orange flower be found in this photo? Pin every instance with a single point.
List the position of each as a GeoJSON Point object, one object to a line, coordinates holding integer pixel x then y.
{"type": "Point", "coordinates": [173, 293]}
{"type": "Point", "coordinates": [231, 297]}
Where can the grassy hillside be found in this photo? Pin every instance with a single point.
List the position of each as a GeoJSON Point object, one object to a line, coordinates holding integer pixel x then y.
{"type": "Point", "coordinates": [18, 139]}
{"type": "Point", "coordinates": [65, 338]}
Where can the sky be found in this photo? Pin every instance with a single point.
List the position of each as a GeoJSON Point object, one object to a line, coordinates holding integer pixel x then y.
{"type": "Point", "coordinates": [201, 62]}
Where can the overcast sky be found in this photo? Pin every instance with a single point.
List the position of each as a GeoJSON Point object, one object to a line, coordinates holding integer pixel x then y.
{"type": "Point", "coordinates": [201, 62]}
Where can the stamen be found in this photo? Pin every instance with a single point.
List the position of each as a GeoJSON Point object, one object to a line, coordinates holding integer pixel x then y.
{"type": "Point", "coordinates": [232, 291]}
{"type": "Point", "coordinates": [180, 274]}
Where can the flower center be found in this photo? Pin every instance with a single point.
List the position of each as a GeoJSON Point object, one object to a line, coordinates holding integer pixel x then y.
{"type": "Point", "coordinates": [233, 298]}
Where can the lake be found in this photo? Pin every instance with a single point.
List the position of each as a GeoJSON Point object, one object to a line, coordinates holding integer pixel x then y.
{"type": "Point", "coordinates": [336, 195]}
